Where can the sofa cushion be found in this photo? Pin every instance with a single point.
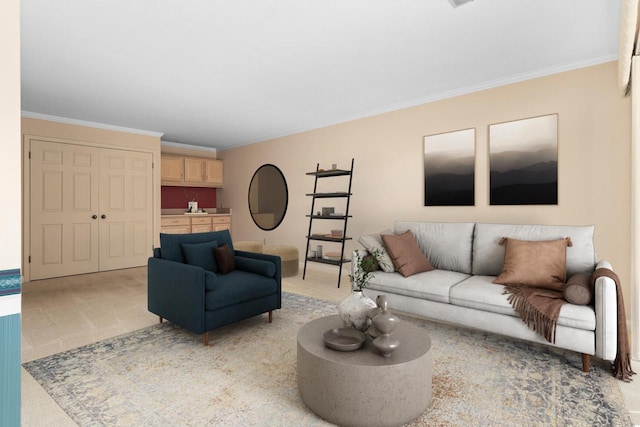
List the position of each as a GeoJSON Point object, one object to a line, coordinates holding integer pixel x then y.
{"type": "Point", "coordinates": [405, 254]}
{"type": "Point", "coordinates": [480, 293]}
{"type": "Point", "coordinates": [171, 244]}
{"type": "Point", "coordinates": [224, 259]}
{"type": "Point", "coordinates": [542, 264]}
{"type": "Point", "coordinates": [446, 245]}
{"type": "Point", "coordinates": [238, 286]}
{"type": "Point", "coordinates": [432, 285]}
{"type": "Point", "coordinates": [488, 256]}
{"type": "Point", "coordinates": [374, 241]}
{"type": "Point", "coordinates": [200, 254]}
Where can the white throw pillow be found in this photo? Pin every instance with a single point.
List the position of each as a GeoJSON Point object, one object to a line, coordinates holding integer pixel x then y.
{"type": "Point", "coordinates": [374, 241]}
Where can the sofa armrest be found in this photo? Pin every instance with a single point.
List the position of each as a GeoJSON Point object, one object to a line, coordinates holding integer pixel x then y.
{"type": "Point", "coordinates": [606, 307]}
{"type": "Point", "coordinates": [175, 291]}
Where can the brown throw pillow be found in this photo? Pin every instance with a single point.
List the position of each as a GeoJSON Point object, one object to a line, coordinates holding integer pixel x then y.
{"type": "Point", "coordinates": [578, 289]}
{"type": "Point", "coordinates": [541, 264]}
{"type": "Point", "coordinates": [224, 259]}
{"type": "Point", "coordinates": [406, 254]}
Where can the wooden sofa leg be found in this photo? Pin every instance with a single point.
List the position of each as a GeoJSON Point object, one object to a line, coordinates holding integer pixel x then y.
{"type": "Point", "coordinates": [586, 362]}
{"type": "Point", "coordinates": [161, 319]}
{"type": "Point", "coordinates": [206, 338]}
{"type": "Point", "coordinates": [270, 316]}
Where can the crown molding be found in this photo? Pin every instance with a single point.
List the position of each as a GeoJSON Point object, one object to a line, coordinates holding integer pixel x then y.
{"type": "Point", "coordinates": [188, 146]}
{"type": "Point", "coordinates": [31, 115]}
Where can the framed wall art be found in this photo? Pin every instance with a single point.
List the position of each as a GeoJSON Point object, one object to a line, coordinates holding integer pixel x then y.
{"type": "Point", "coordinates": [523, 156]}
{"type": "Point", "coordinates": [449, 168]}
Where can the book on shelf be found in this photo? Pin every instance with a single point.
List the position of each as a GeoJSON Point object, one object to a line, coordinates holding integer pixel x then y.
{"type": "Point", "coordinates": [332, 256]}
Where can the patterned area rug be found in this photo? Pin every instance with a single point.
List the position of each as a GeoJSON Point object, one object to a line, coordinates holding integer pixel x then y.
{"type": "Point", "coordinates": [164, 375]}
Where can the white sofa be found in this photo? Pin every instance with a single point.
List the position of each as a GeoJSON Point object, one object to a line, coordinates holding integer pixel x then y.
{"type": "Point", "coordinates": [467, 257]}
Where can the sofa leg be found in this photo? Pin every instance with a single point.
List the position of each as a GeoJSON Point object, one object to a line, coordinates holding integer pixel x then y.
{"type": "Point", "coordinates": [160, 318]}
{"type": "Point", "coordinates": [206, 338]}
{"type": "Point", "coordinates": [586, 362]}
{"type": "Point", "coordinates": [270, 316]}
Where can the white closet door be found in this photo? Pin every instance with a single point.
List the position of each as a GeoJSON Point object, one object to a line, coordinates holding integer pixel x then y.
{"type": "Point", "coordinates": [64, 200]}
{"type": "Point", "coordinates": [126, 221]}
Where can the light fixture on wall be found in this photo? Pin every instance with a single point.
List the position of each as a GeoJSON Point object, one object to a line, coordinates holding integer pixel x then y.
{"type": "Point", "coordinates": [456, 3]}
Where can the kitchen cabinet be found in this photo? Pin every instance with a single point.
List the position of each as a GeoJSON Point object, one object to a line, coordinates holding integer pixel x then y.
{"type": "Point", "coordinates": [213, 172]}
{"type": "Point", "coordinates": [175, 225]}
{"type": "Point", "coordinates": [171, 168]}
{"type": "Point", "coordinates": [191, 171]}
{"type": "Point", "coordinates": [185, 224]}
{"type": "Point", "coordinates": [221, 222]}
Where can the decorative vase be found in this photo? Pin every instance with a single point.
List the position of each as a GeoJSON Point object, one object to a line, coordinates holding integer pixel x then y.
{"type": "Point", "coordinates": [372, 331]}
{"type": "Point", "coordinates": [385, 323]}
{"type": "Point", "coordinates": [354, 309]}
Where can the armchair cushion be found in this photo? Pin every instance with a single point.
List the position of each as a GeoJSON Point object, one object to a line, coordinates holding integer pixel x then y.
{"type": "Point", "coordinates": [237, 287]}
{"type": "Point", "coordinates": [201, 254]}
{"type": "Point", "coordinates": [171, 244]}
{"type": "Point", "coordinates": [257, 266]}
{"type": "Point", "coordinates": [224, 259]}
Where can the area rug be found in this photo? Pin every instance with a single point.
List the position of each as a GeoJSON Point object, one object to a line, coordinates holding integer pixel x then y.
{"type": "Point", "coordinates": [164, 375]}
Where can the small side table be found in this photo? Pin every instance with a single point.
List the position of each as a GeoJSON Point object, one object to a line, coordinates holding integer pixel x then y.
{"type": "Point", "coordinates": [362, 388]}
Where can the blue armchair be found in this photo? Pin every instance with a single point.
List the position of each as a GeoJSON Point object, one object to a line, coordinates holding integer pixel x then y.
{"type": "Point", "coordinates": [186, 287]}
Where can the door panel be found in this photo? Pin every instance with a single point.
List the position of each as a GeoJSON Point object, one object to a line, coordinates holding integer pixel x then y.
{"type": "Point", "coordinates": [64, 196]}
{"type": "Point", "coordinates": [126, 202]}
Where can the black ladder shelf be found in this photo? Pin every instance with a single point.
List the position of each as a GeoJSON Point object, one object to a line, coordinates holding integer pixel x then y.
{"type": "Point", "coordinates": [319, 174]}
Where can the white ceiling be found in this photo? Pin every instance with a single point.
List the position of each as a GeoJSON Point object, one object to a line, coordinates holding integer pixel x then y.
{"type": "Point", "coordinates": [226, 73]}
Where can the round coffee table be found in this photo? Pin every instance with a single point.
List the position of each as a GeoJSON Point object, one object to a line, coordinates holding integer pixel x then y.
{"type": "Point", "coordinates": [362, 388]}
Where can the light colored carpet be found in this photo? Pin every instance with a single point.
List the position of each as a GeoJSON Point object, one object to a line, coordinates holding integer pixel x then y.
{"type": "Point", "coordinates": [163, 375]}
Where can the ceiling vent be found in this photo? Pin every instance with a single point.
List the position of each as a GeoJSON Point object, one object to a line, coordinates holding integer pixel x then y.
{"type": "Point", "coordinates": [456, 3]}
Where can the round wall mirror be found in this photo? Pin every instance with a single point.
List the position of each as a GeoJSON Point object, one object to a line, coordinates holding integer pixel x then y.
{"type": "Point", "coordinates": [268, 197]}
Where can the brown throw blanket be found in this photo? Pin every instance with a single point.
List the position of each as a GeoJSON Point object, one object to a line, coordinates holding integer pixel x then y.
{"type": "Point", "coordinates": [538, 308]}
{"type": "Point", "coordinates": [622, 363]}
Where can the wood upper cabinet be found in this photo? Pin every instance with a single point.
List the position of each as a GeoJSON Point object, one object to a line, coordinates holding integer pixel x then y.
{"type": "Point", "coordinates": [213, 172]}
{"type": "Point", "coordinates": [191, 171]}
{"type": "Point", "coordinates": [172, 168]}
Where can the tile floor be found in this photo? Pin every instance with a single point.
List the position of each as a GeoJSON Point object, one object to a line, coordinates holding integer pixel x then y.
{"type": "Point", "coordinates": [64, 313]}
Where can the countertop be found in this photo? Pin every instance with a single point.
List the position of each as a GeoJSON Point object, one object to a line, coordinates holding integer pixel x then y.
{"type": "Point", "coordinates": [209, 212]}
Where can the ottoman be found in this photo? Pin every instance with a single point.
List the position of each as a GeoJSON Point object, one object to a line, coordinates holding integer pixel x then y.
{"type": "Point", "coordinates": [248, 246]}
{"type": "Point", "coordinates": [289, 256]}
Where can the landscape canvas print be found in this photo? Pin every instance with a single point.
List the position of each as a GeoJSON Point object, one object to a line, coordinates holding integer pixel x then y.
{"type": "Point", "coordinates": [449, 168]}
{"type": "Point", "coordinates": [524, 162]}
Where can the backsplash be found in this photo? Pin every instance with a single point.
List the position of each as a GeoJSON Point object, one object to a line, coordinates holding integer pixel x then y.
{"type": "Point", "coordinates": [177, 197]}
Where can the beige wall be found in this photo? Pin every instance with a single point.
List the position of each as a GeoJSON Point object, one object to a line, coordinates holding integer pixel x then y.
{"type": "Point", "coordinates": [594, 163]}
{"type": "Point", "coordinates": [10, 215]}
{"type": "Point", "coordinates": [65, 132]}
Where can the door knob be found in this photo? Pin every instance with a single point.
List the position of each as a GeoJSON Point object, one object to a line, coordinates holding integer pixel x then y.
{"type": "Point", "coordinates": [95, 217]}
{"type": "Point", "coordinates": [103, 216]}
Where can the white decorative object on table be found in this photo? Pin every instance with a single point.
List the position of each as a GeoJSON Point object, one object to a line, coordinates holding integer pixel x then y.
{"type": "Point", "coordinates": [354, 309]}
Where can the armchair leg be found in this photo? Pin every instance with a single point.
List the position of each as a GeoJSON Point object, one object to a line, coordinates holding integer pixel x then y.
{"type": "Point", "coordinates": [586, 362]}
{"type": "Point", "coordinates": [270, 316]}
{"type": "Point", "coordinates": [160, 318]}
{"type": "Point", "coordinates": [206, 338]}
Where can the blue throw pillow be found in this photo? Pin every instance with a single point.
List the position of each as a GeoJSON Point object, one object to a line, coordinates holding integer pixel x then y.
{"type": "Point", "coordinates": [201, 254]}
